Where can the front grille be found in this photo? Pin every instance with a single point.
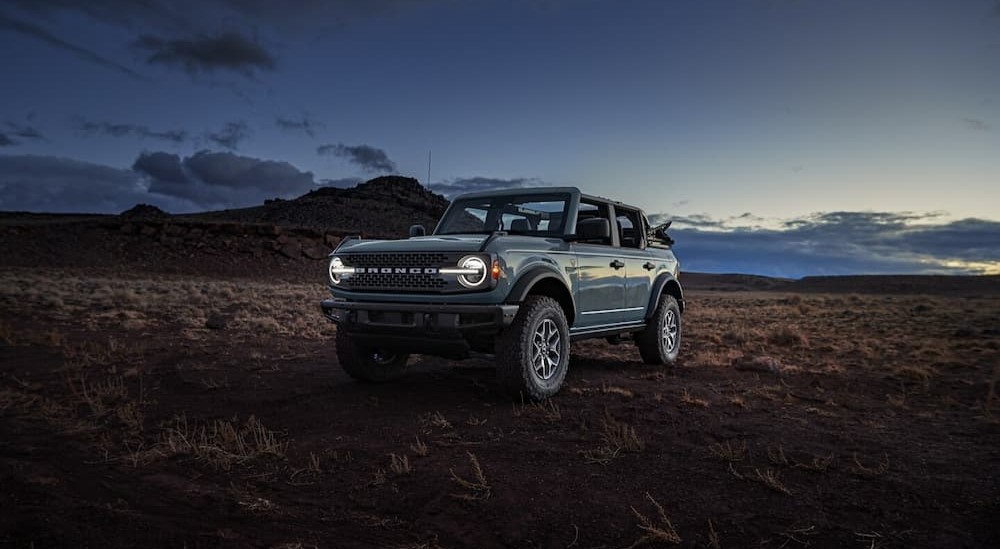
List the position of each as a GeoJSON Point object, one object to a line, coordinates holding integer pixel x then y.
{"type": "Point", "coordinates": [397, 282]}
{"type": "Point", "coordinates": [397, 260]}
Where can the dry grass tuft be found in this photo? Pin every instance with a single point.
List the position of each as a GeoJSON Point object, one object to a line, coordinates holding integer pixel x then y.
{"type": "Point", "coordinates": [770, 479]}
{"type": "Point", "coordinates": [818, 464]}
{"type": "Point", "coordinates": [618, 437]}
{"type": "Point", "coordinates": [713, 536]}
{"type": "Point", "coordinates": [546, 411]}
{"type": "Point", "coordinates": [777, 455]}
{"type": "Point", "coordinates": [660, 531]}
{"type": "Point", "coordinates": [729, 451]}
{"type": "Point", "coordinates": [435, 420]}
{"type": "Point", "coordinates": [420, 448]}
{"type": "Point", "coordinates": [399, 465]}
{"type": "Point", "coordinates": [477, 488]}
{"type": "Point", "coordinates": [222, 443]}
{"type": "Point", "coordinates": [686, 398]}
{"type": "Point", "coordinates": [878, 469]}
{"type": "Point", "coordinates": [615, 390]}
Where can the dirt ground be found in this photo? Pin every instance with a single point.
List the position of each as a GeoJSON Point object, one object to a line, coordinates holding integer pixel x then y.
{"type": "Point", "coordinates": [791, 420]}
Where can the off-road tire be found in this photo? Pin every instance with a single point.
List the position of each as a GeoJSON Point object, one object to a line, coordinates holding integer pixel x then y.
{"type": "Point", "coordinates": [653, 346]}
{"type": "Point", "coordinates": [362, 362]}
{"type": "Point", "coordinates": [516, 374]}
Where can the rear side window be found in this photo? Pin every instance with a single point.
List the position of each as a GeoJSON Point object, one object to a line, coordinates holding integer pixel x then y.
{"type": "Point", "coordinates": [629, 228]}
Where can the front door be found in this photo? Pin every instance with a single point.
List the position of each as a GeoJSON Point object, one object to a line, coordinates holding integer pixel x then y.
{"type": "Point", "coordinates": [600, 272]}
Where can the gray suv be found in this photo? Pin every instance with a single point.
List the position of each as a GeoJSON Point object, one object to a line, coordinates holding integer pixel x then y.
{"type": "Point", "coordinates": [518, 274]}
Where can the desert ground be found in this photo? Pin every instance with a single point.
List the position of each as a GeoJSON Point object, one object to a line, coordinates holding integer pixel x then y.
{"type": "Point", "coordinates": [141, 408]}
{"type": "Point", "coordinates": [169, 381]}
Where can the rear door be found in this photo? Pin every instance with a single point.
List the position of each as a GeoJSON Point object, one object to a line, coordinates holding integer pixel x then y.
{"type": "Point", "coordinates": [639, 268]}
{"type": "Point", "coordinates": [600, 271]}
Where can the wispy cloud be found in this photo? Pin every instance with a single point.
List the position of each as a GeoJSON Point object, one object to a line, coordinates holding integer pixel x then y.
{"type": "Point", "coordinates": [306, 125]}
{"type": "Point", "coordinates": [32, 30]}
{"type": "Point", "coordinates": [135, 130]}
{"type": "Point", "coordinates": [6, 141]}
{"type": "Point", "coordinates": [976, 124]}
{"type": "Point", "coordinates": [231, 135]}
{"type": "Point", "coordinates": [454, 187]}
{"type": "Point", "coordinates": [24, 131]}
{"type": "Point", "coordinates": [226, 51]}
{"type": "Point", "coordinates": [370, 159]}
{"type": "Point", "coordinates": [839, 243]}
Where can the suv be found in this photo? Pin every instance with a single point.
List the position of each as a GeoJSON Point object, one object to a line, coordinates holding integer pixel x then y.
{"type": "Point", "coordinates": [517, 273]}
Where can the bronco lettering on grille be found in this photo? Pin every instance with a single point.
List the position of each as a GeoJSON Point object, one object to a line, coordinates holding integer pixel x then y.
{"type": "Point", "coordinates": [396, 270]}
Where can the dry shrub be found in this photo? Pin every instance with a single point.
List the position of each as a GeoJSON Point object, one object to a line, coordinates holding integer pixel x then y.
{"type": "Point", "coordinates": [787, 336]}
{"type": "Point", "coordinates": [660, 531]}
{"type": "Point", "coordinates": [818, 464]}
{"type": "Point", "coordinates": [222, 443]}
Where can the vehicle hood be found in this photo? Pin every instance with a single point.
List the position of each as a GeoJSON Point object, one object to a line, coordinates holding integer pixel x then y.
{"type": "Point", "coordinates": [449, 243]}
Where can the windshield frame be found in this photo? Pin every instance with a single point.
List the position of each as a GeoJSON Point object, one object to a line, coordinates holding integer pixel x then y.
{"type": "Point", "coordinates": [506, 199]}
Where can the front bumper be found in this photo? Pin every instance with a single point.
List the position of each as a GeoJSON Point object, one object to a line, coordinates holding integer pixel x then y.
{"type": "Point", "coordinates": [442, 329]}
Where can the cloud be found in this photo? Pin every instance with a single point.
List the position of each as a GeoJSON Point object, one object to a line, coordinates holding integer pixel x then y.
{"type": "Point", "coordinates": [835, 243]}
{"type": "Point", "coordinates": [306, 125]}
{"type": "Point", "coordinates": [221, 179]}
{"type": "Point", "coordinates": [369, 158]}
{"type": "Point", "coordinates": [226, 51]}
{"type": "Point", "coordinates": [231, 135]}
{"type": "Point", "coordinates": [454, 187]}
{"type": "Point", "coordinates": [25, 131]}
{"type": "Point", "coordinates": [53, 184]}
{"type": "Point", "coordinates": [976, 124]}
{"type": "Point", "coordinates": [6, 141]}
{"type": "Point", "coordinates": [205, 180]}
{"type": "Point", "coordinates": [137, 130]}
{"type": "Point", "coordinates": [34, 31]}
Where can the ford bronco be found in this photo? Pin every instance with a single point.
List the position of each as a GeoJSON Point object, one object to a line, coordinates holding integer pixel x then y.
{"type": "Point", "coordinates": [517, 273]}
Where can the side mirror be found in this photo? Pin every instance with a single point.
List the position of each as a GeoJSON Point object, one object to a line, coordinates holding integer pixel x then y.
{"type": "Point", "coordinates": [597, 228]}
{"type": "Point", "coordinates": [417, 230]}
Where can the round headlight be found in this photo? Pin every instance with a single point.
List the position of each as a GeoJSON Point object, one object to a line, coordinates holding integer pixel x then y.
{"type": "Point", "coordinates": [476, 271]}
{"type": "Point", "coordinates": [336, 269]}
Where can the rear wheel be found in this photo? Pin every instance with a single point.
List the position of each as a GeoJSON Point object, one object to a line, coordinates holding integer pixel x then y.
{"type": "Point", "coordinates": [660, 342]}
{"type": "Point", "coordinates": [366, 363]}
{"type": "Point", "coordinates": [533, 353]}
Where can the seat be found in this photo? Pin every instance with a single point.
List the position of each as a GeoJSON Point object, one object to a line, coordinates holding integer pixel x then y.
{"type": "Point", "coordinates": [520, 225]}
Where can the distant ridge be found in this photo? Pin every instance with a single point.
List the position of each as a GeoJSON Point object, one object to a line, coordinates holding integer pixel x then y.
{"type": "Point", "coordinates": [382, 207]}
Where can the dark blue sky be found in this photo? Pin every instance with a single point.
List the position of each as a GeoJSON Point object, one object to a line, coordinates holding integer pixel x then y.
{"type": "Point", "coordinates": [731, 117]}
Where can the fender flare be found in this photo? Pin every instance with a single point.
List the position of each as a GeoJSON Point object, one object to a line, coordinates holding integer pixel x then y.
{"type": "Point", "coordinates": [520, 290]}
{"type": "Point", "coordinates": [665, 281]}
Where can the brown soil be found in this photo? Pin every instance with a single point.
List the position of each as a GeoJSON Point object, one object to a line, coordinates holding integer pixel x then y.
{"type": "Point", "coordinates": [791, 420]}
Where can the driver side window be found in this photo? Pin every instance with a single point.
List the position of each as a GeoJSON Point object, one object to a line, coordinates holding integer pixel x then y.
{"type": "Point", "coordinates": [589, 218]}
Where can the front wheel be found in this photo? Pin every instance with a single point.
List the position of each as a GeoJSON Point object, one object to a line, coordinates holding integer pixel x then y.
{"type": "Point", "coordinates": [368, 363]}
{"type": "Point", "coordinates": [660, 342]}
{"type": "Point", "coordinates": [533, 352]}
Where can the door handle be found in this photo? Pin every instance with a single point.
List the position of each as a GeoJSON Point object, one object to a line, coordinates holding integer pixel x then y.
{"type": "Point", "coordinates": [617, 264]}
{"type": "Point", "coordinates": [649, 266]}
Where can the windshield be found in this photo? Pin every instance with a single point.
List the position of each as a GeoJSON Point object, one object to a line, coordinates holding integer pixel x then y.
{"type": "Point", "coordinates": [534, 214]}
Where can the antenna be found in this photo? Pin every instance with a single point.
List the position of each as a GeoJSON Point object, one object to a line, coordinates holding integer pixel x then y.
{"type": "Point", "coordinates": [428, 184]}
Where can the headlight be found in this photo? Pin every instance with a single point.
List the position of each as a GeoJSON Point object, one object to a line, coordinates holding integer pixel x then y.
{"type": "Point", "coordinates": [472, 271]}
{"type": "Point", "coordinates": [337, 269]}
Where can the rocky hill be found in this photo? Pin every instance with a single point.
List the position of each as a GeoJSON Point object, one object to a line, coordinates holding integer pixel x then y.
{"type": "Point", "coordinates": [382, 207]}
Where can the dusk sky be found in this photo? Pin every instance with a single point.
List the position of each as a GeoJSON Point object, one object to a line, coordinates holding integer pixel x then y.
{"type": "Point", "coordinates": [826, 136]}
